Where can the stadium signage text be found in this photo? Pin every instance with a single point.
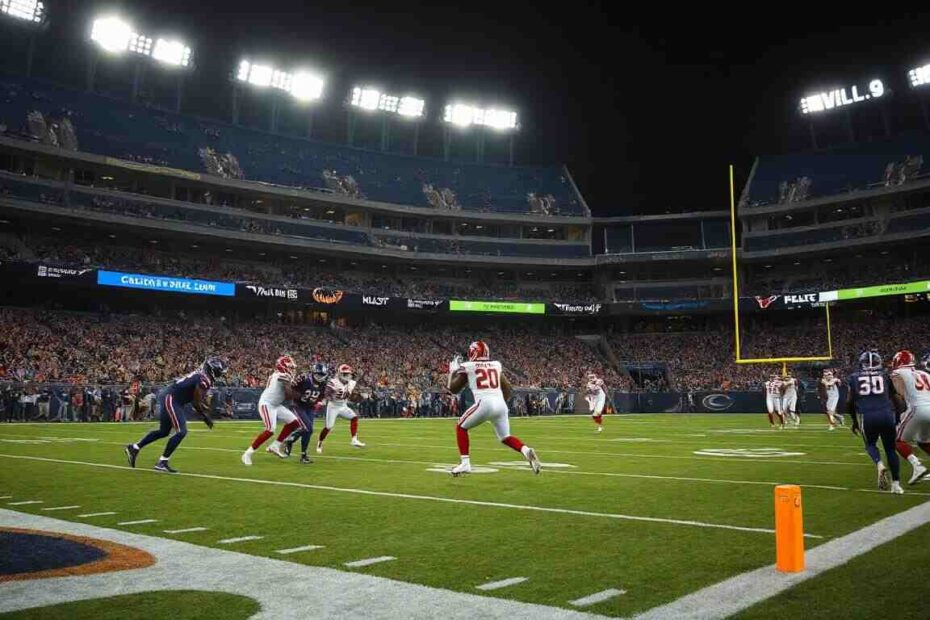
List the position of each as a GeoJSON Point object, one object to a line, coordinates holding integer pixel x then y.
{"type": "Point", "coordinates": [424, 304]}
{"type": "Point", "coordinates": [49, 271]}
{"type": "Point", "coordinates": [808, 298]}
{"type": "Point", "coordinates": [278, 293]}
{"type": "Point", "coordinates": [840, 97]}
{"type": "Point", "coordinates": [165, 283]}
{"type": "Point", "coordinates": [374, 301]}
{"type": "Point", "coordinates": [511, 307]}
{"type": "Point", "coordinates": [579, 309]}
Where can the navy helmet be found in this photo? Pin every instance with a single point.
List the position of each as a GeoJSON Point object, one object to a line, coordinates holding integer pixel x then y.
{"type": "Point", "coordinates": [215, 367]}
{"type": "Point", "coordinates": [870, 360]}
{"type": "Point", "coordinates": [925, 360]}
{"type": "Point", "coordinates": [320, 372]}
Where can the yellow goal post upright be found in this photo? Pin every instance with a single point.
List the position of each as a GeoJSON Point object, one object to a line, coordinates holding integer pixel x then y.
{"type": "Point", "coordinates": [738, 358]}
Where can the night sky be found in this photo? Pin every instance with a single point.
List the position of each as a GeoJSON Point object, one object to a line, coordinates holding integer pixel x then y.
{"type": "Point", "coordinates": [646, 108]}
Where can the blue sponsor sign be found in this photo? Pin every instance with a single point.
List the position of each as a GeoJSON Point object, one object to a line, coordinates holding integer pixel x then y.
{"type": "Point", "coordinates": [167, 284]}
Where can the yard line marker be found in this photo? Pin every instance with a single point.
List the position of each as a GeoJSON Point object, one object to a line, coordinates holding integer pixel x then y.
{"type": "Point", "coordinates": [6, 497]}
{"type": "Point", "coordinates": [139, 522]}
{"type": "Point", "coordinates": [430, 498]}
{"type": "Point", "coordinates": [60, 508]}
{"type": "Point", "coordinates": [28, 501]}
{"type": "Point", "coordinates": [597, 597]}
{"type": "Point", "coordinates": [96, 514]}
{"type": "Point", "coordinates": [370, 561]}
{"type": "Point", "coordinates": [503, 583]}
{"type": "Point", "coordinates": [229, 541]}
{"type": "Point", "coordinates": [733, 595]}
{"type": "Point", "coordinates": [186, 530]}
{"type": "Point", "coordinates": [298, 549]}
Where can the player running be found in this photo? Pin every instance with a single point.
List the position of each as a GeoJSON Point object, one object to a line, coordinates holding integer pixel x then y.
{"type": "Point", "coordinates": [829, 389]}
{"type": "Point", "coordinates": [271, 408]}
{"type": "Point", "coordinates": [311, 392]}
{"type": "Point", "coordinates": [491, 390]}
{"type": "Point", "coordinates": [597, 398]}
{"type": "Point", "coordinates": [339, 391]}
{"type": "Point", "coordinates": [173, 399]}
{"type": "Point", "coordinates": [773, 401]}
{"type": "Point", "coordinates": [912, 394]}
{"type": "Point", "coordinates": [870, 405]}
{"type": "Point", "coordinates": [789, 399]}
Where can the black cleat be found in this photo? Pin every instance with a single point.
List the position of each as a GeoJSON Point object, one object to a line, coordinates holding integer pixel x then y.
{"type": "Point", "coordinates": [164, 467]}
{"type": "Point", "coordinates": [305, 459]}
{"type": "Point", "coordinates": [131, 454]}
{"type": "Point", "coordinates": [286, 447]}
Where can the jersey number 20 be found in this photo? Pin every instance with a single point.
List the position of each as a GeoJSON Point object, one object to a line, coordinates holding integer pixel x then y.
{"type": "Point", "coordinates": [487, 379]}
{"type": "Point", "coordinates": [873, 384]}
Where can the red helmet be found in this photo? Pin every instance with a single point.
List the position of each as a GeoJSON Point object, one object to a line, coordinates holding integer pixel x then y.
{"type": "Point", "coordinates": [345, 369]}
{"type": "Point", "coordinates": [478, 350]}
{"type": "Point", "coordinates": [902, 358]}
{"type": "Point", "coordinates": [285, 364]}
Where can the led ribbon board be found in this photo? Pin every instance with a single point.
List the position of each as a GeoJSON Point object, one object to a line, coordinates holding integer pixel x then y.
{"type": "Point", "coordinates": [512, 307]}
{"type": "Point", "coordinates": [167, 284]}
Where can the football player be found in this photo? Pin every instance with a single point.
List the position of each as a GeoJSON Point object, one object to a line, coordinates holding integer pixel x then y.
{"type": "Point", "coordinates": [339, 391]}
{"type": "Point", "coordinates": [789, 399]}
{"type": "Point", "coordinates": [830, 397]}
{"type": "Point", "coordinates": [491, 390]}
{"type": "Point", "coordinates": [912, 395]}
{"type": "Point", "coordinates": [173, 399]}
{"type": "Point", "coordinates": [596, 397]}
{"type": "Point", "coordinates": [311, 393]}
{"type": "Point", "coordinates": [773, 400]}
{"type": "Point", "coordinates": [271, 408]}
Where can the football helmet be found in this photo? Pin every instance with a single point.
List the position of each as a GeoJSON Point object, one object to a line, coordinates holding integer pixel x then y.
{"type": "Point", "coordinates": [286, 365]}
{"type": "Point", "coordinates": [870, 360]}
{"type": "Point", "coordinates": [319, 372]}
{"type": "Point", "coordinates": [345, 372]}
{"type": "Point", "coordinates": [478, 350]}
{"type": "Point", "coordinates": [215, 367]}
{"type": "Point", "coordinates": [902, 358]}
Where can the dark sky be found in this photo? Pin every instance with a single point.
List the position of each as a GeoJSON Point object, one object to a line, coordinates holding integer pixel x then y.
{"type": "Point", "coordinates": [646, 105]}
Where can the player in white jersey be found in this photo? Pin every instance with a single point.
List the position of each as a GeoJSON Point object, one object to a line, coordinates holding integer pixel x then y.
{"type": "Point", "coordinates": [830, 396]}
{"type": "Point", "coordinates": [339, 390]}
{"type": "Point", "coordinates": [912, 394]}
{"type": "Point", "coordinates": [271, 408]}
{"type": "Point", "coordinates": [773, 400]}
{"type": "Point", "coordinates": [789, 399]}
{"type": "Point", "coordinates": [597, 398]}
{"type": "Point", "coordinates": [491, 390]}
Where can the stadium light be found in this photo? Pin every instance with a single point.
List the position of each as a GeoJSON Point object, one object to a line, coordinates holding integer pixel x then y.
{"type": "Point", "coordinates": [304, 85]}
{"type": "Point", "coordinates": [369, 98]}
{"type": "Point", "coordinates": [464, 115]}
{"type": "Point", "coordinates": [112, 34]}
{"type": "Point", "coordinates": [840, 97]}
{"type": "Point", "coordinates": [26, 10]}
{"type": "Point", "coordinates": [172, 52]}
{"type": "Point", "coordinates": [307, 86]}
{"type": "Point", "coordinates": [115, 35]}
{"type": "Point", "coordinates": [919, 76]}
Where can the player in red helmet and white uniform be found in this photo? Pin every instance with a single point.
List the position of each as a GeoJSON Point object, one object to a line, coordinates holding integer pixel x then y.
{"type": "Point", "coordinates": [597, 398]}
{"type": "Point", "coordinates": [491, 390]}
{"type": "Point", "coordinates": [271, 408]}
{"type": "Point", "coordinates": [830, 395]}
{"type": "Point", "coordinates": [773, 400]}
{"type": "Point", "coordinates": [912, 394]}
{"type": "Point", "coordinates": [339, 391]}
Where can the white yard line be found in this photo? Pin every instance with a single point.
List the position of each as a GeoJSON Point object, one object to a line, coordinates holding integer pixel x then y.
{"type": "Point", "coordinates": [238, 539]}
{"type": "Point", "coordinates": [6, 497]}
{"type": "Point", "coordinates": [732, 596]}
{"type": "Point", "coordinates": [370, 561]}
{"type": "Point", "coordinates": [298, 549]}
{"type": "Point", "coordinates": [96, 514]}
{"type": "Point", "coordinates": [597, 597]}
{"type": "Point", "coordinates": [139, 522]}
{"type": "Point", "coordinates": [60, 508]}
{"type": "Point", "coordinates": [25, 503]}
{"type": "Point", "coordinates": [186, 530]}
{"type": "Point", "coordinates": [430, 498]}
{"type": "Point", "coordinates": [503, 583]}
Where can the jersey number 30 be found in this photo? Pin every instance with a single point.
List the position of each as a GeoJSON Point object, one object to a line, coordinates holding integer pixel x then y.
{"type": "Point", "coordinates": [874, 384]}
{"type": "Point", "coordinates": [486, 379]}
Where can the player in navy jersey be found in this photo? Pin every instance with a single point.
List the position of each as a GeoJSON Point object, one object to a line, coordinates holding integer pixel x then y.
{"type": "Point", "coordinates": [174, 398]}
{"type": "Point", "coordinates": [871, 407]}
{"type": "Point", "coordinates": [311, 391]}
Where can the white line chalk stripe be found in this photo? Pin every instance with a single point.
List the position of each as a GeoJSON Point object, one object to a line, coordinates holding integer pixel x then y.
{"type": "Point", "coordinates": [60, 508]}
{"type": "Point", "coordinates": [186, 530]}
{"type": "Point", "coordinates": [298, 549]}
{"type": "Point", "coordinates": [24, 503]}
{"type": "Point", "coordinates": [431, 498]}
{"type": "Point", "coordinates": [732, 596]}
{"type": "Point", "coordinates": [139, 522]}
{"type": "Point", "coordinates": [370, 561]}
{"type": "Point", "coordinates": [229, 541]}
{"type": "Point", "coordinates": [597, 597]}
{"type": "Point", "coordinates": [6, 497]}
{"type": "Point", "coordinates": [503, 583]}
{"type": "Point", "coordinates": [96, 514]}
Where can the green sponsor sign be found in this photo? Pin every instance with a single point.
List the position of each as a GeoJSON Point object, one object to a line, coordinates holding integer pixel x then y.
{"type": "Point", "coordinates": [884, 289]}
{"type": "Point", "coordinates": [514, 307]}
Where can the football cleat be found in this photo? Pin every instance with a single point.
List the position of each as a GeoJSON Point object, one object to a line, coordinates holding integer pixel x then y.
{"type": "Point", "coordinates": [287, 446]}
{"type": "Point", "coordinates": [896, 488]}
{"type": "Point", "coordinates": [319, 447]}
{"type": "Point", "coordinates": [131, 454]}
{"type": "Point", "coordinates": [356, 443]}
{"type": "Point", "coordinates": [919, 472]}
{"type": "Point", "coordinates": [600, 429]}
{"type": "Point", "coordinates": [460, 469]}
{"type": "Point", "coordinates": [305, 459]}
{"type": "Point", "coordinates": [165, 468]}
{"type": "Point", "coordinates": [884, 479]}
{"type": "Point", "coordinates": [272, 449]}
{"type": "Point", "coordinates": [246, 458]}
{"type": "Point", "coordinates": [534, 460]}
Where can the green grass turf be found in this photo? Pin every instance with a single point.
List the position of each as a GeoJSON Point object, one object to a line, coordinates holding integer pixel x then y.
{"type": "Point", "coordinates": [176, 605]}
{"type": "Point", "coordinates": [633, 468]}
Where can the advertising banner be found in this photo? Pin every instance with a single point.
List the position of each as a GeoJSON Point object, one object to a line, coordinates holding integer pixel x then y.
{"type": "Point", "coordinates": [511, 307]}
{"type": "Point", "coordinates": [166, 284]}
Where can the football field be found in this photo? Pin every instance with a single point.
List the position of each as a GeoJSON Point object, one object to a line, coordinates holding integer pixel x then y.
{"type": "Point", "coordinates": [655, 508]}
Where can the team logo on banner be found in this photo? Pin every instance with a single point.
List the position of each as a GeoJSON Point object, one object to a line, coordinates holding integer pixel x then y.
{"type": "Point", "coordinates": [765, 302]}
{"type": "Point", "coordinates": [579, 309]}
{"type": "Point", "coordinates": [329, 296]}
{"type": "Point", "coordinates": [270, 291]}
{"type": "Point", "coordinates": [374, 301]}
{"type": "Point", "coordinates": [718, 402]}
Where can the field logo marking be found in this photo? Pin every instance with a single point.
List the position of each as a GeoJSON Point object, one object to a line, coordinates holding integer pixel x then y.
{"type": "Point", "coordinates": [747, 453]}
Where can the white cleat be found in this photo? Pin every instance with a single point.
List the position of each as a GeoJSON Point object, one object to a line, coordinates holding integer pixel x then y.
{"type": "Point", "coordinates": [319, 447]}
{"type": "Point", "coordinates": [460, 469]}
{"type": "Point", "coordinates": [534, 460]}
{"type": "Point", "coordinates": [884, 479]}
{"type": "Point", "coordinates": [832, 428]}
{"type": "Point", "coordinates": [356, 443]}
{"type": "Point", "coordinates": [600, 429]}
{"type": "Point", "coordinates": [896, 488]}
{"type": "Point", "coordinates": [246, 458]}
{"type": "Point", "coordinates": [276, 451]}
{"type": "Point", "coordinates": [919, 472]}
